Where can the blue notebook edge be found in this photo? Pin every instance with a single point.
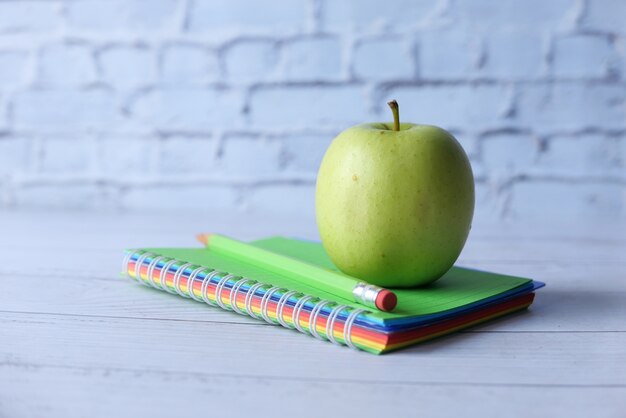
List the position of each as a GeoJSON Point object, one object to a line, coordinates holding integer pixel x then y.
{"type": "Point", "coordinates": [423, 320]}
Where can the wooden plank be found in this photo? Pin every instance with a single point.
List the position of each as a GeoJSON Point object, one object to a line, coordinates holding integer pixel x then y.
{"type": "Point", "coordinates": [80, 341]}
{"type": "Point", "coordinates": [571, 253]}
{"type": "Point", "coordinates": [73, 392]}
{"type": "Point", "coordinates": [227, 349]}
{"type": "Point", "coordinates": [556, 308]}
{"type": "Point", "coordinates": [117, 231]}
{"type": "Point", "coordinates": [106, 264]}
{"type": "Point", "coordinates": [119, 298]}
{"type": "Point", "coordinates": [86, 224]}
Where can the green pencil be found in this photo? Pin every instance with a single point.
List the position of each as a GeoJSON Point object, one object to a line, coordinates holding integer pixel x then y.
{"type": "Point", "coordinates": [338, 284]}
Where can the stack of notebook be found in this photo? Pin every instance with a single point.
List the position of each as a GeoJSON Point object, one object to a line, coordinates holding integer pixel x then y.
{"type": "Point", "coordinates": [461, 298]}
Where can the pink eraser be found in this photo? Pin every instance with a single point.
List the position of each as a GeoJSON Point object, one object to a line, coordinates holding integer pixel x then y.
{"type": "Point", "coordinates": [386, 300]}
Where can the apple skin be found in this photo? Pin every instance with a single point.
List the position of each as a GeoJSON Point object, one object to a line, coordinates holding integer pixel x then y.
{"type": "Point", "coordinates": [394, 208]}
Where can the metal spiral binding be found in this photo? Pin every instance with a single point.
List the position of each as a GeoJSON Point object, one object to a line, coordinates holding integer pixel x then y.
{"type": "Point", "coordinates": [233, 294]}
{"type": "Point", "coordinates": [125, 262]}
{"type": "Point", "coordinates": [138, 264]}
{"type": "Point", "coordinates": [249, 295]}
{"type": "Point", "coordinates": [296, 312]}
{"type": "Point", "coordinates": [163, 275]}
{"type": "Point", "coordinates": [330, 323]}
{"type": "Point", "coordinates": [205, 287]}
{"type": "Point", "coordinates": [150, 271]}
{"type": "Point", "coordinates": [190, 281]}
{"type": "Point", "coordinates": [177, 276]}
{"type": "Point", "coordinates": [265, 302]}
{"type": "Point", "coordinates": [313, 318]}
{"type": "Point", "coordinates": [347, 327]}
{"type": "Point", "coordinates": [280, 307]}
{"type": "Point", "coordinates": [220, 288]}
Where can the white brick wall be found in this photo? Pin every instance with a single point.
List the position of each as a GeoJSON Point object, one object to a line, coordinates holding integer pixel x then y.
{"type": "Point", "coordinates": [180, 104]}
{"type": "Point", "coordinates": [124, 67]}
{"type": "Point", "coordinates": [67, 65]}
{"type": "Point", "coordinates": [384, 59]}
{"type": "Point", "coordinates": [188, 64]}
{"type": "Point", "coordinates": [583, 56]}
{"type": "Point", "coordinates": [30, 16]}
{"type": "Point", "coordinates": [13, 68]}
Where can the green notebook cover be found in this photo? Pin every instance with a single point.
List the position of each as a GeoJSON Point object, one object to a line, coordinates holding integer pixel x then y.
{"type": "Point", "coordinates": [459, 287]}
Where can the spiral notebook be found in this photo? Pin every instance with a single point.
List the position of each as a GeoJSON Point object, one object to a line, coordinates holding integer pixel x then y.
{"type": "Point", "coordinates": [461, 298]}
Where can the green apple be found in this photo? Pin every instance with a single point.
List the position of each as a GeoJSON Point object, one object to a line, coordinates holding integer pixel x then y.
{"type": "Point", "coordinates": [394, 202]}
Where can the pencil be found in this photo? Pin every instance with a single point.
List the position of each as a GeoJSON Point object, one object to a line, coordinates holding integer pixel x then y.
{"type": "Point", "coordinates": [338, 284]}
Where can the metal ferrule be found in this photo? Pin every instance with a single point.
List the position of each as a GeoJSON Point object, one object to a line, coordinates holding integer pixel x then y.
{"type": "Point", "coordinates": [366, 294]}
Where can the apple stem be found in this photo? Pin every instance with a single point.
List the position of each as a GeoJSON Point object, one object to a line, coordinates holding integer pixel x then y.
{"type": "Point", "coordinates": [396, 114]}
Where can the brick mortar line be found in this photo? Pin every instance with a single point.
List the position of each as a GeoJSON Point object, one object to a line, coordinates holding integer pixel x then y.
{"type": "Point", "coordinates": [294, 181]}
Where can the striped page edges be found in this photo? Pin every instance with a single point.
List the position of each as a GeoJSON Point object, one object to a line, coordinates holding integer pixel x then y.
{"type": "Point", "coordinates": [323, 319]}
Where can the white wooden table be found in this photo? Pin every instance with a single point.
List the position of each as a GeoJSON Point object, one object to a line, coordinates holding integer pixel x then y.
{"type": "Point", "coordinates": [76, 340]}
